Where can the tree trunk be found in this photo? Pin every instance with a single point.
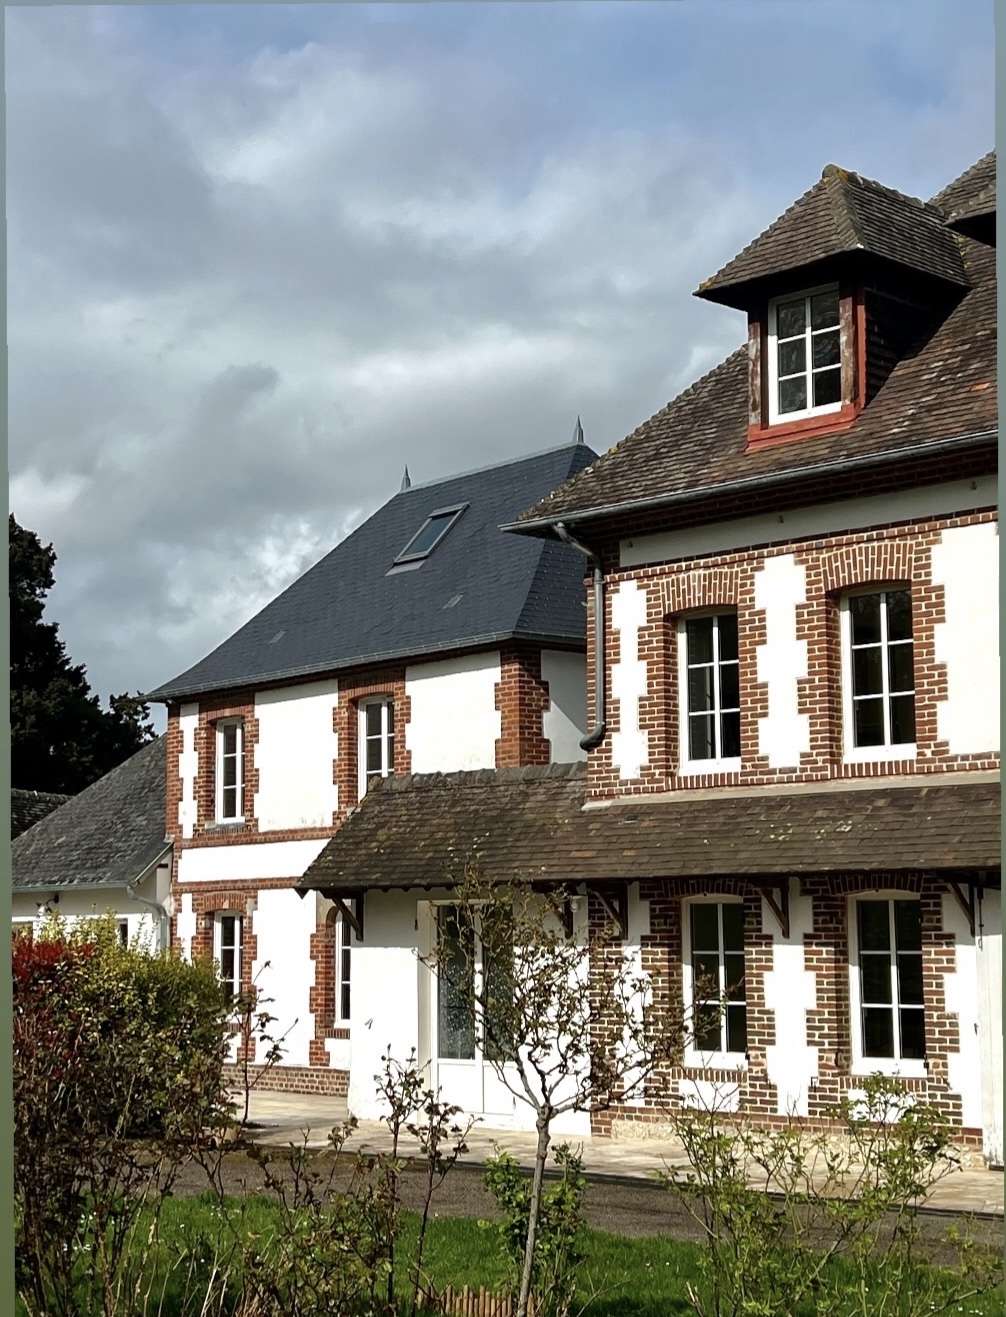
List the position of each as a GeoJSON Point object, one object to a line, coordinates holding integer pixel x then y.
{"type": "Point", "coordinates": [541, 1153]}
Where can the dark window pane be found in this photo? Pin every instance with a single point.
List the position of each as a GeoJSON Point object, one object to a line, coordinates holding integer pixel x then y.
{"type": "Point", "coordinates": [428, 534]}
{"type": "Point", "coordinates": [373, 719]}
{"type": "Point", "coordinates": [910, 979]}
{"type": "Point", "coordinates": [826, 349]}
{"type": "Point", "coordinates": [793, 357]}
{"type": "Point", "coordinates": [791, 318]}
{"type": "Point", "coordinates": [733, 976]}
{"type": "Point", "coordinates": [878, 1031]}
{"type": "Point", "coordinates": [700, 689]}
{"type": "Point", "coordinates": [344, 1001]}
{"type": "Point", "coordinates": [390, 715]}
{"type": "Point", "coordinates": [708, 1030]}
{"type": "Point", "coordinates": [230, 738]}
{"type": "Point", "coordinates": [792, 395]}
{"type": "Point", "coordinates": [230, 767]}
{"type": "Point", "coordinates": [868, 716]}
{"type": "Point", "coordinates": [706, 970]}
{"type": "Point", "coordinates": [900, 667]}
{"type": "Point", "coordinates": [908, 925]}
{"type": "Point", "coordinates": [899, 615]}
{"type": "Point", "coordinates": [867, 671]}
{"type": "Point", "coordinates": [705, 928]}
{"type": "Point", "coordinates": [874, 925]}
{"type": "Point", "coordinates": [827, 387]}
{"type": "Point", "coordinates": [913, 1035]}
{"type": "Point", "coordinates": [824, 309]}
{"type": "Point", "coordinates": [864, 609]}
{"type": "Point", "coordinates": [700, 737]}
{"type": "Point", "coordinates": [699, 635]}
{"type": "Point", "coordinates": [737, 1029]}
{"type": "Point", "coordinates": [230, 803]}
{"type": "Point", "coordinates": [373, 757]}
{"type": "Point", "coordinates": [727, 624]}
{"type": "Point", "coordinates": [730, 695]}
{"type": "Point", "coordinates": [730, 731]}
{"type": "Point", "coordinates": [875, 978]}
{"type": "Point", "coordinates": [903, 720]}
{"type": "Point", "coordinates": [733, 926]}
{"type": "Point", "coordinates": [455, 995]}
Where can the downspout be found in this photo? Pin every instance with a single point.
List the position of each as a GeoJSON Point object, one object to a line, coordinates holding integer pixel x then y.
{"type": "Point", "coordinates": [596, 735]}
{"type": "Point", "coordinates": [159, 910]}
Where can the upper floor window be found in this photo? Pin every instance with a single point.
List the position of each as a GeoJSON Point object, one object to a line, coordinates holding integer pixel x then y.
{"type": "Point", "coordinates": [377, 740]}
{"type": "Point", "coordinates": [227, 952]}
{"type": "Point", "coordinates": [887, 988]}
{"type": "Point", "coordinates": [804, 355]}
{"type": "Point", "coordinates": [714, 974]}
{"type": "Point", "coordinates": [710, 693]}
{"type": "Point", "coordinates": [230, 769]}
{"type": "Point", "coordinates": [879, 679]}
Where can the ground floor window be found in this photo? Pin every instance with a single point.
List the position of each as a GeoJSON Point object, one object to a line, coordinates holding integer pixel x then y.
{"type": "Point", "coordinates": [714, 972]}
{"type": "Point", "coordinates": [227, 952]}
{"type": "Point", "coordinates": [343, 969]}
{"type": "Point", "coordinates": [891, 1022]}
{"type": "Point", "coordinates": [473, 987]}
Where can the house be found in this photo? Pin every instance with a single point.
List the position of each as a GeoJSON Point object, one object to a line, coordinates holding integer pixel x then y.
{"type": "Point", "coordinates": [426, 641]}
{"type": "Point", "coordinates": [792, 781]}
{"type": "Point", "coordinates": [103, 849]}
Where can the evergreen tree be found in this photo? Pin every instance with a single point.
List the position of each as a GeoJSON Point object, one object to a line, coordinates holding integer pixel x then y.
{"type": "Point", "coordinates": [61, 738]}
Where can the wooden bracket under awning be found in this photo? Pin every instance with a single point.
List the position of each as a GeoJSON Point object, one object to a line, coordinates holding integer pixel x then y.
{"type": "Point", "coordinates": [615, 902]}
{"type": "Point", "coordinates": [351, 909]}
{"type": "Point", "coordinates": [964, 894]}
{"type": "Point", "coordinates": [777, 899]}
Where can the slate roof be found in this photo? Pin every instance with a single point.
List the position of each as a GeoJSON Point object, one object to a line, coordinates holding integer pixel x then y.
{"type": "Point", "coordinates": [477, 587]}
{"type": "Point", "coordinates": [27, 807]}
{"type": "Point", "coordinates": [530, 823]}
{"type": "Point", "coordinates": [696, 446]}
{"type": "Point", "coordinates": [104, 837]}
{"type": "Point", "coordinates": [843, 212]}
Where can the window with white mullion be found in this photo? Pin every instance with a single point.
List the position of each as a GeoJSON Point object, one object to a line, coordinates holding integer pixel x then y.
{"type": "Point", "coordinates": [805, 354]}
{"type": "Point", "coordinates": [377, 741]}
{"type": "Point", "coordinates": [711, 688]}
{"type": "Point", "coordinates": [230, 770]}
{"type": "Point", "coordinates": [343, 970]}
{"type": "Point", "coordinates": [718, 997]}
{"type": "Point", "coordinates": [892, 1007]}
{"type": "Point", "coordinates": [881, 651]}
{"type": "Point", "coordinates": [228, 936]}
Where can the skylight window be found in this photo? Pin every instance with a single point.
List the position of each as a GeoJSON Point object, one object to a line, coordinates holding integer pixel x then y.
{"type": "Point", "coordinates": [429, 534]}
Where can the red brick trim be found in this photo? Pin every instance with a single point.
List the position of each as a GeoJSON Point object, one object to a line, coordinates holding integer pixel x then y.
{"type": "Point", "coordinates": [522, 698]}
{"type": "Point", "coordinates": [294, 1079]}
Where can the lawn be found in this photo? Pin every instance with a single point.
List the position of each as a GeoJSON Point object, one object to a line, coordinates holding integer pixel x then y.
{"type": "Point", "coordinates": [620, 1277]}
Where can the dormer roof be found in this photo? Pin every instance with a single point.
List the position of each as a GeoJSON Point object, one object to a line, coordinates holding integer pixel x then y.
{"type": "Point", "coordinates": [842, 213]}
{"type": "Point", "coordinates": [970, 201]}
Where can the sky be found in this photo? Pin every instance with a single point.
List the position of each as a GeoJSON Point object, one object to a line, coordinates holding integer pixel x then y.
{"type": "Point", "coordinates": [261, 257]}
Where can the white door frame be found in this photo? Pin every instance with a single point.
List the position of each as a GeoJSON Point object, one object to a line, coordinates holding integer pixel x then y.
{"type": "Point", "coordinates": [989, 963]}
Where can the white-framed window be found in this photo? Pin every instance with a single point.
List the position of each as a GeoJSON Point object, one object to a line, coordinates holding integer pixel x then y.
{"type": "Point", "coordinates": [709, 681]}
{"type": "Point", "coordinates": [804, 355]}
{"type": "Point", "coordinates": [886, 985]}
{"type": "Point", "coordinates": [227, 931]}
{"type": "Point", "coordinates": [878, 686]}
{"type": "Point", "coordinates": [377, 740]}
{"type": "Point", "coordinates": [714, 982]}
{"type": "Point", "coordinates": [122, 928]}
{"type": "Point", "coordinates": [230, 770]}
{"type": "Point", "coordinates": [343, 969]}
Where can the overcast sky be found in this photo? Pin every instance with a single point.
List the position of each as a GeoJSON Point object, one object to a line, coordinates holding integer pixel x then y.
{"type": "Point", "coordinates": [261, 257]}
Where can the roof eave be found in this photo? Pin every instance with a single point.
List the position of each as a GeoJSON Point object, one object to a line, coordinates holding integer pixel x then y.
{"type": "Point", "coordinates": [536, 525]}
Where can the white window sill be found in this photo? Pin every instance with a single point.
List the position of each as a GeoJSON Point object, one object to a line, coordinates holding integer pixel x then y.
{"type": "Point", "coordinates": [880, 754]}
{"type": "Point", "coordinates": [708, 767]}
{"type": "Point", "coordinates": [807, 414]}
{"type": "Point", "coordinates": [864, 1067]}
{"type": "Point", "coordinates": [222, 824]}
{"type": "Point", "coordinates": [715, 1061]}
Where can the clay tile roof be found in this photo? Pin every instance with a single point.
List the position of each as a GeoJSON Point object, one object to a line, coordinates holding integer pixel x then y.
{"type": "Point", "coordinates": [843, 212]}
{"type": "Point", "coordinates": [970, 191]}
{"type": "Point", "coordinates": [696, 447]}
{"type": "Point", "coordinates": [105, 836]}
{"type": "Point", "coordinates": [530, 824]}
{"type": "Point", "coordinates": [28, 807]}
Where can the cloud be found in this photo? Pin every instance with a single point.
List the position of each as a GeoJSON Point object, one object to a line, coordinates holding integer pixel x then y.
{"type": "Point", "coordinates": [262, 257]}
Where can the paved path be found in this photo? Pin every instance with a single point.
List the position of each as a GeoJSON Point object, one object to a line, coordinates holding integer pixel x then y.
{"type": "Point", "coordinates": [282, 1118]}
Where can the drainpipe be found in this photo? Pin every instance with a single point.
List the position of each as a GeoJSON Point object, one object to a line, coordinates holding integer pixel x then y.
{"type": "Point", "coordinates": [596, 735]}
{"type": "Point", "coordinates": [159, 910]}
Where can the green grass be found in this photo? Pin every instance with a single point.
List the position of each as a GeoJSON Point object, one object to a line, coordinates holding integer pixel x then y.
{"type": "Point", "coordinates": [620, 1277]}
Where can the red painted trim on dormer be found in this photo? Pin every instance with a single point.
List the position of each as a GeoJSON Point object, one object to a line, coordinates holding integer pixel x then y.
{"type": "Point", "coordinates": [764, 436]}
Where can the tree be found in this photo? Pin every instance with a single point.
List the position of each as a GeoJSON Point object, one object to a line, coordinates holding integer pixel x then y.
{"type": "Point", "coordinates": [61, 738]}
{"type": "Point", "coordinates": [568, 1023]}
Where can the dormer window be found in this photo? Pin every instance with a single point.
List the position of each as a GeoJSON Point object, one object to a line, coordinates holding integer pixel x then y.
{"type": "Point", "coordinates": [804, 355]}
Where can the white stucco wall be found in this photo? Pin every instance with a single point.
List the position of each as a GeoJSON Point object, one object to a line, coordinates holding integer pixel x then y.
{"type": "Point", "coordinates": [966, 564]}
{"type": "Point", "coordinates": [453, 721]}
{"type": "Point", "coordinates": [185, 924]}
{"type": "Point", "coordinates": [276, 859]}
{"type": "Point", "coordinates": [961, 997]}
{"type": "Point", "coordinates": [564, 722]}
{"type": "Point", "coordinates": [188, 767]}
{"type": "Point", "coordinates": [283, 970]}
{"type": "Point", "coordinates": [790, 992]}
{"type": "Point", "coordinates": [629, 745]}
{"type": "Point", "coordinates": [295, 756]}
{"type": "Point", "coordinates": [784, 733]}
{"type": "Point", "coordinates": [94, 903]}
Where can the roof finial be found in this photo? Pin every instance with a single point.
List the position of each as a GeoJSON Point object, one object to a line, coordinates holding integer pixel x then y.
{"type": "Point", "coordinates": [406, 480]}
{"type": "Point", "coordinates": [578, 432]}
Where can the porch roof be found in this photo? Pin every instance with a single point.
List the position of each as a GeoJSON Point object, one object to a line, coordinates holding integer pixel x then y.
{"type": "Point", "coordinates": [532, 824]}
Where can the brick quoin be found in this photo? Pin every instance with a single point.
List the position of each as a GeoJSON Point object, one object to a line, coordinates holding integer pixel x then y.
{"type": "Point", "coordinates": [522, 698]}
